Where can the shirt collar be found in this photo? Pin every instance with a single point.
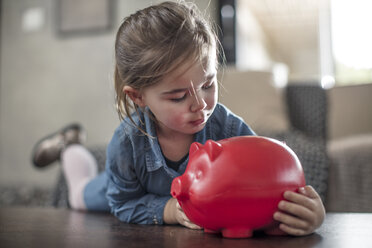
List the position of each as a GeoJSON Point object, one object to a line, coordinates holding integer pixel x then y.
{"type": "Point", "coordinates": [154, 156]}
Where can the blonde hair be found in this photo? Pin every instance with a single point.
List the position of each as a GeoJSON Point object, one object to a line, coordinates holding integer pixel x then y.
{"type": "Point", "coordinates": [154, 41]}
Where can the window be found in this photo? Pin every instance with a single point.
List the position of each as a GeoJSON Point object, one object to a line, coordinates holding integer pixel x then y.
{"type": "Point", "coordinates": [352, 41]}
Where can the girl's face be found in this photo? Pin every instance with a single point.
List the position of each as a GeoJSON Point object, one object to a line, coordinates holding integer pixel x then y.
{"type": "Point", "coordinates": [184, 100]}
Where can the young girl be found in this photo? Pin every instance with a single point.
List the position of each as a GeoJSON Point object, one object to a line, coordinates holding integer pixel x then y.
{"type": "Point", "coordinates": [166, 93]}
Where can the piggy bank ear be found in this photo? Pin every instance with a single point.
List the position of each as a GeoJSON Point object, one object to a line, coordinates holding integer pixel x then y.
{"type": "Point", "coordinates": [213, 149]}
{"type": "Point", "coordinates": [194, 147]}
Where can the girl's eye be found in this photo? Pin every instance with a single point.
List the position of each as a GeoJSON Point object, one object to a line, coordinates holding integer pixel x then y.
{"type": "Point", "coordinates": [208, 85]}
{"type": "Point", "coordinates": [178, 99]}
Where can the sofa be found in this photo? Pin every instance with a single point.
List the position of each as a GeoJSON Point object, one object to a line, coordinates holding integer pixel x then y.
{"type": "Point", "coordinates": [350, 174]}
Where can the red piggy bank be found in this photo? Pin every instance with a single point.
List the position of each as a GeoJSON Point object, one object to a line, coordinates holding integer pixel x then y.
{"type": "Point", "coordinates": [233, 186]}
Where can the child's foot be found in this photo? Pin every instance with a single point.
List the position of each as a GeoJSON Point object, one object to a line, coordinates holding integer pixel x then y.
{"type": "Point", "coordinates": [49, 148]}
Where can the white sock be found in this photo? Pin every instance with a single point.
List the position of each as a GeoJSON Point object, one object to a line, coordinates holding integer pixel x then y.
{"type": "Point", "coordinates": [79, 167]}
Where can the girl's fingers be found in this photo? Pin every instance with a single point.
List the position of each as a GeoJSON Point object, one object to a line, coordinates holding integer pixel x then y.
{"type": "Point", "coordinates": [184, 220]}
{"type": "Point", "coordinates": [300, 199]}
{"type": "Point", "coordinates": [293, 231]}
{"type": "Point", "coordinates": [188, 223]}
{"type": "Point", "coordinates": [178, 206]}
{"type": "Point", "coordinates": [192, 225]}
{"type": "Point", "coordinates": [183, 216]}
{"type": "Point", "coordinates": [301, 212]}
{"type": "Point", "coordinates": [290, 220]}
{"type": "Point", "coordinates": [296, 210]}
{"type": "Point", "coordinates": [309, 191]}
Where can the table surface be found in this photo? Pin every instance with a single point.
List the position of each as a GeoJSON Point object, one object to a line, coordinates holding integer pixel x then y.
{"type": "Point", "coordinates": [49, 227]}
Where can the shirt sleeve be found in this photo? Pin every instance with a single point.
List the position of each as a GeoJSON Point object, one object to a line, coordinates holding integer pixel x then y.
{"type": "Point", "coordinates": [240, 128]}
{"type": "Point", "coordinates": [127, 198]}
{"type": "Point", "coordinates": [228, 124]}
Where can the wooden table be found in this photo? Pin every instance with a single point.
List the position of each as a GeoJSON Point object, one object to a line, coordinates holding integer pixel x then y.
{"type": "Point", "coordinates": [48, 227]}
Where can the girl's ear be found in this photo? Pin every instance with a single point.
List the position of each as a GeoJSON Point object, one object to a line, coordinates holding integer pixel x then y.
{"type": "Point", "coordinates": [135, 95]}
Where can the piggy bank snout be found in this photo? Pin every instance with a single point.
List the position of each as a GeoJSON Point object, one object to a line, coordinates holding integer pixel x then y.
{"type": "Point", "coordinates": [178, 188]}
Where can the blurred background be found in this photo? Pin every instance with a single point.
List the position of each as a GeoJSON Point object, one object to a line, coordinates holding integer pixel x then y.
{"type": "Point", "coordinates": [57, 62]}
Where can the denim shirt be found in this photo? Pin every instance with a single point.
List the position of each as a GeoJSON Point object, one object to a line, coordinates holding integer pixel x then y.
{"type": "Point", "coordinates": [139, 180]}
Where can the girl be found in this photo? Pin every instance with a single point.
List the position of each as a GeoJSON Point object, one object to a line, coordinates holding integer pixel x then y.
{"type": "Point", "coordinates": [166, 94]}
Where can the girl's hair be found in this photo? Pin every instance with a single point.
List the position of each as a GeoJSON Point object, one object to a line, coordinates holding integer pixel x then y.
{"type": "Point", "coordinates": [153, 42]}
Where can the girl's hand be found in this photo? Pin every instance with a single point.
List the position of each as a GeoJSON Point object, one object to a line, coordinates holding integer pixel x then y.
{"type": "Point", "coordinates": [301, 213]}
{"type": "Point", "coordinates": [182, 218]}
{"type": "Point", "coordinates": [173, 214]}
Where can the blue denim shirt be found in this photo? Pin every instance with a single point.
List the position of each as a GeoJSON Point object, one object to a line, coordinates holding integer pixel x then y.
{"type": "Point", "coordinates": [139, 180]}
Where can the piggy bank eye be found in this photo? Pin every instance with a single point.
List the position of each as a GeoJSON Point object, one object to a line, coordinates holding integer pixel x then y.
{"type": "Point", "coordinates": [198, 174]}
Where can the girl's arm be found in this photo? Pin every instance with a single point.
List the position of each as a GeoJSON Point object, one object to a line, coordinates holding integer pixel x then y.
{"type": "Point", "coordinates": [130, 203]}
{"type": "Point", "coordinates": [127, 197]}
{"type": "Point", "coordinates": [300, 213]}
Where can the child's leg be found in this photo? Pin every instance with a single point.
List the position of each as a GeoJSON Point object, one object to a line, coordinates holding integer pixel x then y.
{"type": "Point", "coordinates": [79, 167]}
{"type": "Point", "coordinates": [87, 190]}
{"type": "Point", "coordinates": [95, 193]}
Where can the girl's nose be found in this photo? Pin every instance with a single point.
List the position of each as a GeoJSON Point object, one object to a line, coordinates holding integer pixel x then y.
{"type": "Point", "coordinates": [198, 103]}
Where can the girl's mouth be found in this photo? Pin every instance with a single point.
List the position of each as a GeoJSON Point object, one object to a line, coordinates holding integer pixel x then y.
{"type": "Point", "coordinates": [197, 122]}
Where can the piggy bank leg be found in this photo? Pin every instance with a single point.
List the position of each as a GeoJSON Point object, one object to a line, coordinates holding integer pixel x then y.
{"type": "Point", "coordinates": [237, 232]}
